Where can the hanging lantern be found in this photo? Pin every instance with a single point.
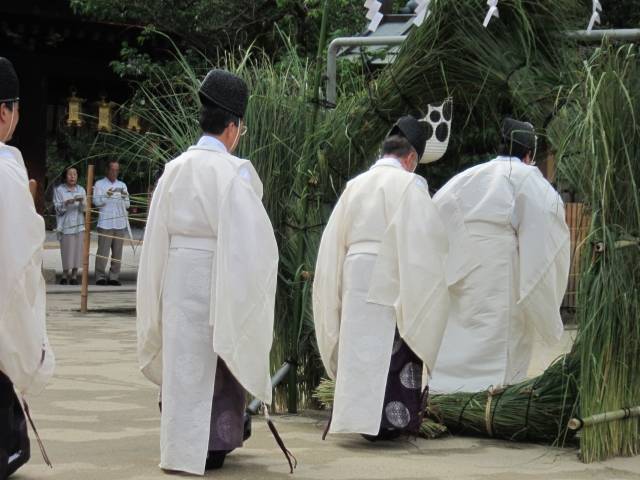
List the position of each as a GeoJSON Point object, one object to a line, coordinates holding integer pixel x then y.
{"type": "Point", "coordinates": [75, 111]}
{"type": "Point", "coordinates": [133, 123]}
{"type": "Point", "coordinates": [104, 115]}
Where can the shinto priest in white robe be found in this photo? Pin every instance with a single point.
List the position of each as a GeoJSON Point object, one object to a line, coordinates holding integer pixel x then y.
{"type": "Point", "coordinates": [507, 273]}
{"type": "Point", "coordinates": [206, 290]}
{"type": "Point", "coordinates": [380, 267]}
{"type": "Point", "coordinates": [25, 354]}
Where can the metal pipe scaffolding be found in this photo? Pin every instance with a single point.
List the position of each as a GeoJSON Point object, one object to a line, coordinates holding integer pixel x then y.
{"type": "Point", "coordinates": [623, 34]}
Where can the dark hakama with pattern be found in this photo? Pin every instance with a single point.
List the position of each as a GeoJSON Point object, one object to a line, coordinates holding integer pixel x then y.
{"type": "Point", "coordinates": [402, 410]}
{"type": "Point", "coordinates": [14, 440]}
{"type": "Point", "coordinates": [227, 413]}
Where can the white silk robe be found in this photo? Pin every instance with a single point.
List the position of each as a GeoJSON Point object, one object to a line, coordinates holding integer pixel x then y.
{"type": "Point", "coordinates": [25, 354]}
{"type": "Point", "coordinates": [206, 288]}
{"type": "Point", "coordinates": [380, 266]}
{"type": "Point", "coordinates": [507, 272]}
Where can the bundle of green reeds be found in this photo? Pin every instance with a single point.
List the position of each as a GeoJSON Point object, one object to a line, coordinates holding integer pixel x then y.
{"type": "Point", "coordinates": [535, 410]}
{"type": "Point", "coordinates": [598, 142]}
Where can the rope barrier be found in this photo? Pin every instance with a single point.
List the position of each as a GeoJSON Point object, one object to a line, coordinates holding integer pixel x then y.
{"type": "Point", "coordinates": [113, 260]}
{"type": "Point", "coordinates": [116, 237]}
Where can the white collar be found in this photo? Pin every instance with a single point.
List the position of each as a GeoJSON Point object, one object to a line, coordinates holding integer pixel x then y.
{"type": "Point", "coordinates": [504, 158]}
{"type": "Point", "coordinates": [211, 141]}
{"type": "Point", "coordinates": [388, 162]}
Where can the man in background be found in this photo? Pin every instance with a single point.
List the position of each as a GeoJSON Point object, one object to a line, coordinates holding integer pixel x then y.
{"type": "Point", "coordinates": [110, 195]}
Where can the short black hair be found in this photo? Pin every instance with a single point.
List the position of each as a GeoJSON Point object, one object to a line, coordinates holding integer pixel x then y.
{"type": "Point", "coordinates": [215, 120]}
{"type": "Point", "coordinates": [397, 145]}
{"type": "Point", "coordinates": [513, 150]}
{"type": "Point", "coordinates": [9, 105]}
{"type": "Point", "coordinates": [109, 163]}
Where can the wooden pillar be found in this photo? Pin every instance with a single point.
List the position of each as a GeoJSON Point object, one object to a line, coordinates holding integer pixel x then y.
{"type": "Point", "coordinates": [387, 7]}
{"type": "Point", "coordinates": [31, 133]}
{"type": "Point", "coordinates": [84, 292]}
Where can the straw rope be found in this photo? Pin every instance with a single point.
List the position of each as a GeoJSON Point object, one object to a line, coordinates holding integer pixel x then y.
{"type": "Point", "coordinates": [113, 260]}
{"type": "Point", "coordinates": [116, 237]}
{"type": "Point", "coordinates": [488, 415]}
{"type": "Point", "coordinates": [487, 412]}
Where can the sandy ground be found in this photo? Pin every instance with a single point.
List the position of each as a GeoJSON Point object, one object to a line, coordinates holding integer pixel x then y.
{"type": "Point", "coordinates": [128, 267]}
{"type": "Point", "coordinates": [99, 420]}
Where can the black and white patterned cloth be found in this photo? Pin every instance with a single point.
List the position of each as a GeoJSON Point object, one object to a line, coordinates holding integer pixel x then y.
{"type": "Point", "coordinates": [403, 395]}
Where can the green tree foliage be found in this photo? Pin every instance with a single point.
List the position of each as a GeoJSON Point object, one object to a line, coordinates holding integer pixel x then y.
{"type": "Point", "coordinates": [621, 14]}
{"type": "Point", "coordinates": [212, 25]}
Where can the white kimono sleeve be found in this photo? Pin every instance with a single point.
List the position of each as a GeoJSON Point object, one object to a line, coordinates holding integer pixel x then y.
{"type": "Point", "coordinates": [151, 270]}
{"type": "Point", "coordinates": [544, 250]}
{"type": "Point", "coordinates": [410, 273]}
{"type": "Point", "coordinates": [25, 355]}
{"type": "Point", "coordinates": [245, 277]}
{"type": "Point", "coordinates": [327, 289]}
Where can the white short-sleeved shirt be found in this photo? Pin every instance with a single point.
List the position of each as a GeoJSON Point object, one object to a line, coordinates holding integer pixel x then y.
{"type": "Point", "coordinates": [113, 209]}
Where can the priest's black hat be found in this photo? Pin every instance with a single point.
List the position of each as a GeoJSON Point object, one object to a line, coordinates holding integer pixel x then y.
{"type": "Point", "coordinates": [518, 135]}
{"type": "Point", "coordinates": [225, 90]}
{"type": "Point", "coordinates": [414, 131]}
{"type": "Point", "coordinates": [9, 85]}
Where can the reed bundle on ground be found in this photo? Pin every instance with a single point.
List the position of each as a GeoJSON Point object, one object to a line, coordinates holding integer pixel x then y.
{"type": "Point", "coordinates": [536, 410]}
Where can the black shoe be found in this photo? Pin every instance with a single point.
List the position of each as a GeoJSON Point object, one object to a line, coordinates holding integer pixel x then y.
{"type": "Point", "coordinates": [101, 282]}
{"type": "Point", "coordinates": [115, 283]}
{"type": "Point", "coordinates": [247, 426]}
{"type": "Point", "coordinates": [63, 281]}
{"type": "Point", "coordinates": [215, 460]}
{"type": "Point", "coordinates": [4, 462]}
{"type": "Point", "coordinates": [73, 281]}
{"type": "Point", "coordinates": [384, 435]}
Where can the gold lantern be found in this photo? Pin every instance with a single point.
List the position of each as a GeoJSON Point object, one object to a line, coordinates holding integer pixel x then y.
{"type": "Point", "coordinates": [75, 111]}
{"type": "Point", "coordinates": [133, 123]}
{"type": "Point", "coordinates": [104, 115]}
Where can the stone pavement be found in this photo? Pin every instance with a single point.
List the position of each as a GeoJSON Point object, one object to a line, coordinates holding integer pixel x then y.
{"type": "Point", "coordinates": [99, 420]}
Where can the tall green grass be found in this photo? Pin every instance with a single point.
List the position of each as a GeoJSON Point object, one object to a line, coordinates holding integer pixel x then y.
{"type": "Point", "coordinates": [598, 139]}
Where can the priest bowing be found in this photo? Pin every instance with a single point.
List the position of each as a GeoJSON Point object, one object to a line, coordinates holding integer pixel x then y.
{"type": "Point", "coordinates": [380, 299]}
{"type": "Point", "coordinates": [26, 359]}
{"type": "Point", "coordinates": [508, 266]}
{"type": "Point", "coordinates": [206, 287]}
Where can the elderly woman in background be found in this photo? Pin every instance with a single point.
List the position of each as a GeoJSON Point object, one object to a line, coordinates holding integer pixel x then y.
{"type": "Point", "coordinates": [70, 201]}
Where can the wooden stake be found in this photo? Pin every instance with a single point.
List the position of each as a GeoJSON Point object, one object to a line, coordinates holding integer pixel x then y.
{"type": "Point", "coordinates": [84, 295]}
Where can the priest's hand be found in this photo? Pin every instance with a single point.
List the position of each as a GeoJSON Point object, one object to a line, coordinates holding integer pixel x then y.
{"type": "Point", "coordinates": [33, 188]}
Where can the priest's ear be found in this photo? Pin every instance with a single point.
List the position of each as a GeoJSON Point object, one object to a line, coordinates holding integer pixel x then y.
{"type": "Point", "coordinates": [9, 116]}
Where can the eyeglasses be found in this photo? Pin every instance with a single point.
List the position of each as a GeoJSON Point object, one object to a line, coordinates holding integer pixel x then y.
{"type": "Point", "coordinates": [243, 130]}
